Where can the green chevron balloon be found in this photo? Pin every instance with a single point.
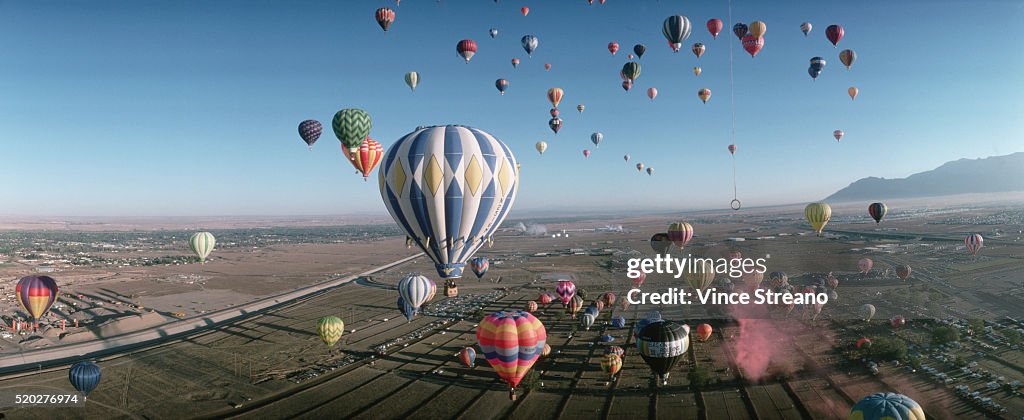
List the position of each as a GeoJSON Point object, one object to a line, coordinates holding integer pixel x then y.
{"type": "Point", "coordinates": [330, 329]}
{"type": "Point", "coordinates": [202, 244]}
{"type": "Point", "coordinates": [352, 126]}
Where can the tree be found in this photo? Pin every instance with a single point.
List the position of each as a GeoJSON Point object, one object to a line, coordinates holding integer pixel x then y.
{"type": "Point", "coordinates": [698, 377]}
{"type": "Point", "coordinates": [944, 334]}
{"type": "Point", "coordinates": [976, 325]}
{"type": "Point", "coordinates": [1013, 337]}
{"type": "Point", "coordinates": [888, 348]}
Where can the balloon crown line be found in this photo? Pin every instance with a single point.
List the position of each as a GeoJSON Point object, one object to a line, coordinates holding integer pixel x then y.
{"type": "Point", "coordinates": [423, 127]}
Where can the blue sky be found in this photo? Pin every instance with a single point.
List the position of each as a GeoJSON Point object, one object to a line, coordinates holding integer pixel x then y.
{"type": "Point", "coordinates": [191, 107]}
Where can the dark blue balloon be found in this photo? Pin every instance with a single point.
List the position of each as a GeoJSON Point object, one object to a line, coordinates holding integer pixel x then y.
{"type": "Point", "coordinates": [814, 72]}
{"type": "Point", "coordinates": [618, 322]}
{"type": "Point", "coordinates": [84, 376]}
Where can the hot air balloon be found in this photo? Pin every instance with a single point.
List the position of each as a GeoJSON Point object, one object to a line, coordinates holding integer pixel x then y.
{"type": "Point", "coordinates": [202, 244]}
{"type": "Point", "coordinates": [511, 342]}
{"type": "Point", "coordinates": [834, 33]}
{"type": "Point", "coordinates": [696, 71]}
{"type": "Point", "coordinates": [714, 27]}
{"type": "Point", "coordinates": [740, 30]}
{"type": "Point", "coordinates": [757, 29]}
{"type": "Point", "coordinates": [412, 79]}
{"type": "Point", "coordinates": [544, 298]}
{"type": "Point", "coordinates": [580, 108]}
{"type": "Point", "coordinates": [814, 72]}
{"type": "Point", "coordinates": [864, 343]}
{"type": "Point", "coordinates": [818, 215]}
{"type": "Point", "coordinates": [477, 174]}
{"type": "Point", "coordinates": [638, 280]}
{"type": "Point", "coordinates": [852, 91]}
{"type": "Point", "coordinates": [640, 167]}
{"type": "Point", "coordinates": [661, 345]}
{"type": "Point", "coordinates": [555, 96]}
{"type": "Point", "coordinates": [555, 124]}
{"type": "Point", "coordinates": [650, 171]}
{"type": "Point", "coordinates": [627, 85]}
{"type": "Point", "coordinates": [700, 274]}
{"type": "Point", "coordinates": [806, 28]}
{"type": "Point", "coordinates": [847, 57]}
{"type": "Point", "coordinates": [652, 92]}
{"type": "Point", "coordinates": [898, 321]}
{"type": "Point", "coordinates": [613, 47]}
{"type": "Point", "coordinates": [367, 157]}
{"type": "Point", "coordinates": [818, 62]}
{"type": "Point", "coordinates": [493, 32]}
{"type": "Point", "coordinates": [704, 332]}
{"type": "Point", "coordinates": [414, 290]}
{"type": "Point", "coordinates": [547, 67]}
{"type": "Point", "coordinates": [587, 320]}
{"type": "Point", "coordinates": [660, 242]}
{"type": "Point", "coordinates": [611, 364]}
{"type": "Point", "coordinates": [680, 233]}
{"type": "Point", "coordinates": [531, 306]}
{"type": "Point", "coordinates": [596, 138]}
{"type": "Point", "coordinates": [468, 357]}
{"type": "Point", "coordinates": [831, 281]}
{"type": "Point", "coordinates": [864, 265]}
{"type": "Point", "coordinates": [778, 279]}
{"type": "Point", "coordinates": [698, 49]}
{"type": "Point", "coordinates": [351, 127]}
{"type": "Point", "coordinates": [525, 11]}
{"type": "Point", "coordinates": [586, 153]}
{"type": "Point", "coordinates": [574, 306]}
{"type": "Point", "coordinates": [554, 112]}
{"type": "Point", "coordinates": [479, 265]}
{"type": "Point", "coordinates": [309, 131]}
{"type": "Point", "coordinates": [639, 49]}
{"type": "Point", "coordinates": [616, 350]}
{"type": "Point", "coordinates": [903, 272]}
{"type": "Point", "coordinates": [732, 149]}
{"type": "Point", "coordinates": [704, 95]}
{"type": "Point", "coordinates": [631, 70]}
{"type": "Point", "coordinates": [565, 290]}
{"type": "Point", "coordinates": [330, 329]}
{"type": "Point", "coordinates": [385, 16]}
{"type": "Point", "coordinates": [618, 322]}
{"type": "Point", "coordinates": [676, 29]}
{"type": "Point", "coordinates": [541, 146]}
{"type": "Point", "coordinates": [877, 211]}
{"type": "Point", "coordinates": [752, 45]}
{"type": "Point", "coordinates": [515, 62]}
{"type": "Point", "coordinates": [838, 134]}
{"type": "Point", "coordinates": [753, 279]}
{"type": "Point", "coordinates": [501, 84]}
{"type": "Point", "coordinates": [974, 243]}
{"type": "Point", "coordinates": [467, 48]}
{"type": "Point", "coordinates": [85, 377]}
{"type": "Point", "coordinates": [867, 311]}
{"type": "Point", "coordinates": [625, 158]}
{"type": "Point", "coordinates": [36, 294]}
{"type": "Point", "coordinates": [530, 43]}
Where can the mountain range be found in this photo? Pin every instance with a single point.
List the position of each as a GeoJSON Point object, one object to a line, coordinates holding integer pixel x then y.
{"type": "Point", "coordinates": [987, 175]}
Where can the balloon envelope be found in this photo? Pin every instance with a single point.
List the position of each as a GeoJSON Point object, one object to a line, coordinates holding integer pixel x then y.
{"type": "Point", "coordinates": [84, 376]}
{"type": "Point", "coordinates": [449, 188]}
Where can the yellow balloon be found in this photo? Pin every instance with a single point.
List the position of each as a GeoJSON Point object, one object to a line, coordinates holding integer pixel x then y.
{"type": "Point", "coordinates": [696, 71]}
{"type": "Point", "coordinates": [757, 28]}
{"type": "Point", "coordinates": [853, 92]}
{"type": "Point", "coordinates": [701, 274]}
{"type": "Point", "coordinates": [818, 215]}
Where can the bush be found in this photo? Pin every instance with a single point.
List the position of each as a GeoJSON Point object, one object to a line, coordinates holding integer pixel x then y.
{"type": "Point", "coordinates": [699, 377]}
{"type": "Point", "coordinates": [943, 335]}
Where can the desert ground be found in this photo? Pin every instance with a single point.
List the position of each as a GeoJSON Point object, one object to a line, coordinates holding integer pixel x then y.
{"type": "Point", "coordinates": [757, 364]}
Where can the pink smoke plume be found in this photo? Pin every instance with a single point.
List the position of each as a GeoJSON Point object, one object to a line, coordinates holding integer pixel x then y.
{"type": "Point", "coordinates": [757, 346]}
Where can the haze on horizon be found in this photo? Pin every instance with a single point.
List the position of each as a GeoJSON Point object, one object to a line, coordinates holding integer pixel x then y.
{"type": "Point", "coordinates": [190, 108]}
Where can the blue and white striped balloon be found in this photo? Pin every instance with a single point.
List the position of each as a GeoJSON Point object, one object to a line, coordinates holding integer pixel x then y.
{"type": "Point", "coordinates": [414, 290]}
{"type": "Point", "coordinates": [449, 188]}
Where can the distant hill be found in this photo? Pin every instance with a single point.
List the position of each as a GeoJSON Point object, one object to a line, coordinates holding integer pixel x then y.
{"type": "Point", "coordinates": [988, 175]}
